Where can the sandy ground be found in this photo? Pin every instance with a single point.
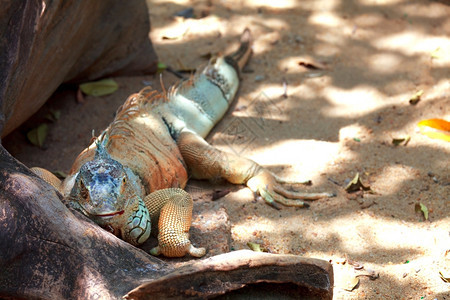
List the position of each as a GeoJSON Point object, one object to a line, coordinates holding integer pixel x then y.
{"type": "Point", "coordinates": [334, 121]}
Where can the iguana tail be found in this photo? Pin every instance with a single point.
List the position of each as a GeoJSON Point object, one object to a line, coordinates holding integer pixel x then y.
{"type": "Point", "coordinates": [240, 57]}
{"type": "Point", "coordinates": [199, 103]}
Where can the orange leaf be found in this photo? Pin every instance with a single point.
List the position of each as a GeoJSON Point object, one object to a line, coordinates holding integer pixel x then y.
{"type": "Point", "coordinates": [435, 129]}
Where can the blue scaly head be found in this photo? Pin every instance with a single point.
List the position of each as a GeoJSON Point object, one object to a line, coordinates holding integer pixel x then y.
{"type": "Point", "coordinates": [100, 188]}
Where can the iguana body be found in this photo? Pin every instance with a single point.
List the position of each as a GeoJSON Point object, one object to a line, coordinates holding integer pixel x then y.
{"type": "Point", "coordinates": [134, 173]}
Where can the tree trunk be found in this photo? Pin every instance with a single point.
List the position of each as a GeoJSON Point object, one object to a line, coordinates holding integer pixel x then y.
{"type": "Point", "coordinates": [45, 43]}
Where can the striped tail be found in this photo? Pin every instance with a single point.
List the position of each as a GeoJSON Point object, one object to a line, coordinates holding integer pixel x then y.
{"type": "Point", "coordinates": [240, 57]}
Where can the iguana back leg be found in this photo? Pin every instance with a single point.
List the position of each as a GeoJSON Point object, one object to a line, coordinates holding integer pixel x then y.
{"type": "Point", "coordinates": [48, 177]}
{"type": "Point", "coordinates": [171, 209]}
{"type": "Point", "coordinates": [206, 162]}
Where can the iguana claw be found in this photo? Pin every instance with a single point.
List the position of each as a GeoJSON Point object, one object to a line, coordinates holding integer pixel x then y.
{"type": "Point", "coordinates": [269, 187]}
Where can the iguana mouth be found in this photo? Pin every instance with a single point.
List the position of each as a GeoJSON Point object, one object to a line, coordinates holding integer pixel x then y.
{"type": "Point", "coordinates": [117, 213]}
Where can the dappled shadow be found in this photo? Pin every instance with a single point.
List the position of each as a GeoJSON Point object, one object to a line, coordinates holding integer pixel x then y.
{"type": "Point", "coordinates": [352, 110]}
{"type": "Point", "coordinates": [358, 104]}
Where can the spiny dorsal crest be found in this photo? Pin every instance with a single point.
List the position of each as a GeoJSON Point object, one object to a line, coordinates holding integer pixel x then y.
{"type": "Point", "coordinates": [101, 142]}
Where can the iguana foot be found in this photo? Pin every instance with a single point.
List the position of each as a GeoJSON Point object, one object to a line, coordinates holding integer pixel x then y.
{"type": "Point", "coordinates": [269, 187]}
{"type": "Point", "coordinates": [195, 252]}
{"type": "Point", "coordinates": [173, 207]}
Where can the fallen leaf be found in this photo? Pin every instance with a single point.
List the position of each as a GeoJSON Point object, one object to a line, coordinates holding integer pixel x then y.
{"type": "Point", "coordinates": [421, 207]}
{"type": "Point", "coordinates": [416, 98]}
{"type": "Point", "coordinates": [356, 185]}
{"type": "Point", "coordinates": [37, 135]}
{"type": "Point", "coordinates": [161, 67]}
{"type": "Point", "coordinates": [255, 247]}
{"type": "Point", "coordinates": [99, 88]}
{"type": "Point", "coordinates": [351, 284]}
{"type": "Point", "coordinates": [53, 115]}
{"type": "Point", "coordinates": [435, 129]}
{"type": "Point", "coordinates": [436, 53]}
{"type": "Point", "coordinates": [444, 277]}
{"type": "Point", "coordinates": [399, 141]}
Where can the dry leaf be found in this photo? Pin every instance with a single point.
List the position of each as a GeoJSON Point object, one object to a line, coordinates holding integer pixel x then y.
{"type": "Point", "coordinates": [255, 247]}
{"type": "Point", "coordinates": [444, 277]}
{"type": "Point", "coordinates": [53, 115]}
{"type": "Point", "coordinates": [356, 185]}
{"type": "Point", "coordinates": [99, 88]}
{"type": "Point", "coordinates": [436, 53]}
{"type": "Point", "coordinates": [351, 284]}
{"type": "Point", "coordinates": [398, 141]}
{"type": "Point", "coordinates": [435, 129]}
{"type": "Point", "coordinates": [416, 98]}
{"type": "Point", "coordinates": [421, 207]}
{"type": "Point", "coordinates": [37, 135]}
{"type": "Point", "coordinates": [161, 67]}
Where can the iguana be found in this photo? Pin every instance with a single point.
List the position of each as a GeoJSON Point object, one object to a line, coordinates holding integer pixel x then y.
{"type": "Point", "coordinates": [131, 178]}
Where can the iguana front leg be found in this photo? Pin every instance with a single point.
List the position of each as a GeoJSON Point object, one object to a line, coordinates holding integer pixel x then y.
{"type": "Point", "coordinates": [171, 209]}
{"type": "Point", "coordinates": [206, 162]}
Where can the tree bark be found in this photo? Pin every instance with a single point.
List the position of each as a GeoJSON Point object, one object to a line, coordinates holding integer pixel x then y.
{"type": "Point", "coordinates": [48, 42]}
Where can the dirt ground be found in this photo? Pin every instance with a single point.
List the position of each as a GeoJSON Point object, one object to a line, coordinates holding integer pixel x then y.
{"type": "Point", "coordinates": [324, 94]}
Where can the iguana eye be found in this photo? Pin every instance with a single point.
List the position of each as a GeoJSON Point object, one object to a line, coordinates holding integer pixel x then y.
{"type": "Point", "coordinates": [124, 182]}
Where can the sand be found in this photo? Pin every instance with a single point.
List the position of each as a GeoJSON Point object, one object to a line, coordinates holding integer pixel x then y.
{"type": "Point", "coordinates": [325, 93]}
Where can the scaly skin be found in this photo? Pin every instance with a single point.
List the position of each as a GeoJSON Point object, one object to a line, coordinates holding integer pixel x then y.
{"type": "Point", "coordinates": [130, 179]}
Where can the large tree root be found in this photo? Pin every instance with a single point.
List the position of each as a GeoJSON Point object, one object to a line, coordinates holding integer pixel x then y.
{"type": "Point", "coordinates": [48, 251]}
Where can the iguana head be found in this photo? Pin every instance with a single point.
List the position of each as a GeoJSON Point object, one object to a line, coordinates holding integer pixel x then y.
{"type": "Point", "coordinates": [101, 187]}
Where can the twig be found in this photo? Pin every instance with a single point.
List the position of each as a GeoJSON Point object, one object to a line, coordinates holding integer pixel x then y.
{"type": "Point", "coordinates": [333, 181]}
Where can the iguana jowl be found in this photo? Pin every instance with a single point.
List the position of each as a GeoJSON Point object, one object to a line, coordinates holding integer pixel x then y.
{"type": "Point", "coordinates": [132, 177]}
